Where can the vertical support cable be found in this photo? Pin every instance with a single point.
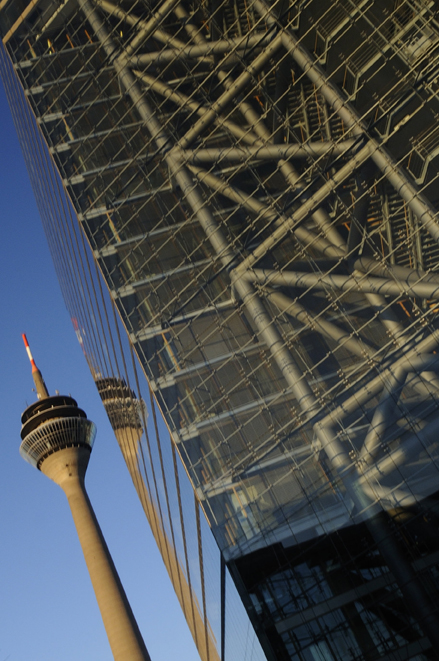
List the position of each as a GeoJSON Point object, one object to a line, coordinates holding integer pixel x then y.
{"type": "Point", "coordinates": [203, 587]}
{"type": "Point", "coordinates": [223, 607]}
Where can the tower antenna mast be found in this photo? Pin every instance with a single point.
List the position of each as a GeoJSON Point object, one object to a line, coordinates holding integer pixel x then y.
{"type": "Point", "coordinates": [40, 386]}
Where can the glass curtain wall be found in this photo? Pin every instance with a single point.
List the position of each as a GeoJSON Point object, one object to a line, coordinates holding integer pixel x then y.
{"type": "Point", "coordinates": [256, 183]}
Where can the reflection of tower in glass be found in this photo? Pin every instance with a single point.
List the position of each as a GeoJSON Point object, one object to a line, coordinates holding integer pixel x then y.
{"type": "Point", "coordinates": [57, 438]}
{"type": "Point", "coordinates": [127, 416]}
{"type": "Point", "coordinates": [125, 412]}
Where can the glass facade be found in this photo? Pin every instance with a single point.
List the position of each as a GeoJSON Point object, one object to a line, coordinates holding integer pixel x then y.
{"type": "Point", "coordinates": [241, 200]}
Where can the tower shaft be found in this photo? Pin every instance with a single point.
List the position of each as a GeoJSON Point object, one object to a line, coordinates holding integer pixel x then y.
{"type": "Point", "coordinates": [67, 469]}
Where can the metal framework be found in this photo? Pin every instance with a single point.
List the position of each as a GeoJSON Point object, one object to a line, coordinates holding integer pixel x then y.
{"type": "Point", "coordinates": [257, 184]}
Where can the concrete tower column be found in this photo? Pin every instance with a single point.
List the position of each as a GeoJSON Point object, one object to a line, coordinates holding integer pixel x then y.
{"type": "Point", "coordinates": [57, 439]}
{"type": "Point", "coordinates": [67, 469]}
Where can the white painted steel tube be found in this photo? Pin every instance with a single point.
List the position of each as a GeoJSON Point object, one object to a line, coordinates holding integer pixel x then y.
{"type": "Point", "coordinates": [269, 152]}
{"type": "Point", "coordinates": [347, 283]}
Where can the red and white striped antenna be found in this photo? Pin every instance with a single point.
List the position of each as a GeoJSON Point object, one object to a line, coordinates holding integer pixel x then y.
{"type": "Point", "coordinates": [40, 386]}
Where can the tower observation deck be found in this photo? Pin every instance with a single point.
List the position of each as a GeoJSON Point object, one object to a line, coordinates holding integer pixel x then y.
{"type": "Point", "coordinates": [241, 199]}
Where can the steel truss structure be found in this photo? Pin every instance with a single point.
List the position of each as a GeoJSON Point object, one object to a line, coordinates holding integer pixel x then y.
{"type": "Point", "coordinates": [257, 183]}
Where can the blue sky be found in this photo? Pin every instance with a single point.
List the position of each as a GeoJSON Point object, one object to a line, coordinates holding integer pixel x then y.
{"type": "Point", "coordinates": [47, 607]}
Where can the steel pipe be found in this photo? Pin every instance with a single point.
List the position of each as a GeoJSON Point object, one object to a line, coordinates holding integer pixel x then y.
{"type": "Point", "coordinates": [148, 27]}
{"type": "Point", "coordinates": [351, 283]}
{"type": "Point", "coordinates": [383, 415]}
{"type": "Point", "coordinates": [373, 387]}
{"type": "Point", "coordinates": [289, 173]}
{"type": "Point", "coordinates": [413, 445]}
{"type": "Point", "coordinates": [267, 153]}
{"type": "Point", "coordinates": [191, 52]}
{"type": "Point", "coordinates": [402, 273]}
{"type": "Point", "coordinates": [135, 21]}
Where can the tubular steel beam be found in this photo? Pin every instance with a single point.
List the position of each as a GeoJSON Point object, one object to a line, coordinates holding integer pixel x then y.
{"type": "Point", "coordinates": [350, 283]}
{"type": "Point", "coordinates": [135, 21]}
{"type": "Point", "coordinates": [401, 273]}
{"type": "Point", "coordinates": [375, 386]}
{"type": "Point", "coordinates": [148, 27]}
{"type": "Point", "coordinates": [389, 401]}
{"type": "Point", "coordinates": [254, 119]}
{"type": "Point", "coordinates": [190, 52]}
{"type": "Point", "coordinates": [267, 153]}
{"type": "Point", "coordinates": [382, 415]}
{"type": "Point", "coordinates": [289, 173]}
{"type": "Point", "coordinates": [194, 32]}
{"type": "Point", "coordinates": [319, 215]}
{"type": "Point", "coordinates": [413, 445]}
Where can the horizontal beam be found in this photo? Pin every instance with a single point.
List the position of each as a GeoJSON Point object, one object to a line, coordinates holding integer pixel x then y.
{"type": "Point", "coordinates": [210, 365]}
{"type": "Point", "coordinates": [351, 283]}
{"type": "Point", "coordinates": [224, 484]}
{"type": "Point", "coordinates": [237, 44]}
{"type": "Point", "coordinates": [150, 332]}
{"type": "Point", "coordinates": [411, 276]}
{"type": "Point", "coordinates": [267, 153]}
{"type": "Point", "coordinates": [135, 286]}
{"type": "Point", "coordinates": [223, 418]}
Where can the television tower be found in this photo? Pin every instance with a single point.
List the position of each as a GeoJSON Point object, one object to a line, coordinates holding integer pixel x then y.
{"type": "Point", "coordinates": [57, 438]}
